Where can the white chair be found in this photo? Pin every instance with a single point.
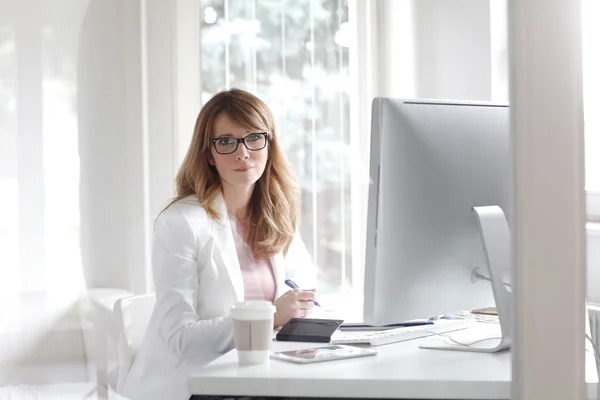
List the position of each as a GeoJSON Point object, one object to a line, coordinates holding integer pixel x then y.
{"type": "Point", "coordinates": [133, 315]}
{"type": "Point", "coordinates": [100, 334]}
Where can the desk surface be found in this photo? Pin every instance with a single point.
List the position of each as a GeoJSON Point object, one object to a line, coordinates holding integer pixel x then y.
{"type": "Point", "coordinates": [400, 370]}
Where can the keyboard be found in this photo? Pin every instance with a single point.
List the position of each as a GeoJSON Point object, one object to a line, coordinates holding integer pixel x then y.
{"type": "Point", "coordinates": [400, 334]}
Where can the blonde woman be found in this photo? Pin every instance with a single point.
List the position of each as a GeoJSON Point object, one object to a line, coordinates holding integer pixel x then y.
{"type": "Point", "coordinates": [229, 235]}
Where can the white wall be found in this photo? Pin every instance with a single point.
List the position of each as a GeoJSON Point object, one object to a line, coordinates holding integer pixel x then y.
{"type": "Point", "coordinates": [452, 49]}
{"type": "Point", "coordinates": [434, 49]}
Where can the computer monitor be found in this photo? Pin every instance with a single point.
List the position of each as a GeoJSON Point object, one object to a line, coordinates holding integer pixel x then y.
{"type": "Point", "coordinates": [431, 163]}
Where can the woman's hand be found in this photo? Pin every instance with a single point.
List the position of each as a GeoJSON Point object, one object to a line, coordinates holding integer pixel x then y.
{"type": "Point", "coordinates": [293, 304]}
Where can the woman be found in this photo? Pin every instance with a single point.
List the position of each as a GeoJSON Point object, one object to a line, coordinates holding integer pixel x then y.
{"type": "Point", "coordinates": [229, 235]}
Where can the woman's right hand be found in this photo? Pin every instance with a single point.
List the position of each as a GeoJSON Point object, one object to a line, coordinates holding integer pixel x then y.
{"type": "Point", "coordinates": [293, 304]}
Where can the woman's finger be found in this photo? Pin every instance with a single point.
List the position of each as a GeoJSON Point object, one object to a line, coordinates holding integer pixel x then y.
{"type": "Point", "coordinates": [305, 295]}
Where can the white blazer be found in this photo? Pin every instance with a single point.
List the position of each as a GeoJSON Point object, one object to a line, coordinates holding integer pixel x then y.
{"type": "Point", "coordinates": [197, 279]}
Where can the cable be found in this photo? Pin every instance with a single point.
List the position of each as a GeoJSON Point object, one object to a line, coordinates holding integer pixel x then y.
{"type": "Point", "coordinates": [596, 351]}
{"type": "Point", "coordinates": [465, 344]}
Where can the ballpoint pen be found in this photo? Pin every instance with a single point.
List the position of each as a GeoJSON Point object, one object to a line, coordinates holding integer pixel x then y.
{"type": "Point", "coordinates": [293, 285]}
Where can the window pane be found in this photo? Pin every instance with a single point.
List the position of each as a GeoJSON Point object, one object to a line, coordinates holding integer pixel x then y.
{"type": "Point", "coordinates": [213, 39]}
{"type": "Point", "coordinates": [294, 56]}
{"type": "Point", "coordinates": [591, 92]}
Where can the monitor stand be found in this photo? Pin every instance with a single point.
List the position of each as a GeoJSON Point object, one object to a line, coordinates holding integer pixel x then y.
{"type": "Point", "coordinates": [495, 235]}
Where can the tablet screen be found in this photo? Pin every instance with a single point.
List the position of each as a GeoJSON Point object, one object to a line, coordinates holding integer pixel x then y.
{"type": "Point", "coordinates": [311, 354]}
{"type": "Point", "coordinates": [333, 352]}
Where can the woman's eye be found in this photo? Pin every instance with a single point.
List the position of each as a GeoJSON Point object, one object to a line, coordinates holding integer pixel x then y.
{"type": "Point", "coordinates": [253, 137]}
{"type": "Point", "coordinates": [225, 141]}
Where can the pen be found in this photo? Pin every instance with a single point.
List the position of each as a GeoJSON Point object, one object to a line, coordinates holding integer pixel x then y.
{"type": "Point", "coordinates": [293, 285]}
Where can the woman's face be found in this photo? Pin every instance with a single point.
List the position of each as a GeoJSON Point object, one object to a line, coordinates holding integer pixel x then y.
{"type": "Point", "coordinates": [242, 167]}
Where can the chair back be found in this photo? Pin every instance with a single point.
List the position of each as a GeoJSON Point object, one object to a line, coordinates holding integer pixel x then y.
{"type": "Point", "coordinates": [133, 316]}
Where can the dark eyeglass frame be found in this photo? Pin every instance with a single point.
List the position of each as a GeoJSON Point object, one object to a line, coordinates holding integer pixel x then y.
{"type": "Point", "coordinates": [240, 140]}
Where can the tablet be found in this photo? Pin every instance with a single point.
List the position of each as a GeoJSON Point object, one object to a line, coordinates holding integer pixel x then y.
{"type": "Point", "coordinates": [308, 330]}
{"type": "Point", "coordinates": [320, 354]}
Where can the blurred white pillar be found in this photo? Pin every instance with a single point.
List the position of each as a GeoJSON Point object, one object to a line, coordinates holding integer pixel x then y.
{"type": "Point", "coordinates": [549, 221]}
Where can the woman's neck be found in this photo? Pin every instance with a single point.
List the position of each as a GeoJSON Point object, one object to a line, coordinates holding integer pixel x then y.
{"type": "Point", "coordinates": [237, 199]}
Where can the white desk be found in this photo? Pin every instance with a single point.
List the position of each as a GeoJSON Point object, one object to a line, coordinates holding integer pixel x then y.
{"type": "Point", "coordinates": [400, 370]}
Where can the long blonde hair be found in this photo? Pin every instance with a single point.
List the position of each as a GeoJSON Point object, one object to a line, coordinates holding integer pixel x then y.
{"type": "Point", "coordinates": [272, 210]}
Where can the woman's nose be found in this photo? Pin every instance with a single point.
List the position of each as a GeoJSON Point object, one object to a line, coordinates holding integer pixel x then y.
{"type": "Point", "coordinates": [242, 152]}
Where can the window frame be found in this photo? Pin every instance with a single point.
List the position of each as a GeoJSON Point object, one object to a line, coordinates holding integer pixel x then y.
{"type": "Point", "coordinates": [593, 206]}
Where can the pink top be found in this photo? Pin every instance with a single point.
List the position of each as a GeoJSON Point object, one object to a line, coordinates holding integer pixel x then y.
{"type": "Point", "coordinates": [259, 280]}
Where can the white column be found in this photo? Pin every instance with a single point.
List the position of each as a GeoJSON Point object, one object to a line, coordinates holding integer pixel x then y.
{"type": "Point", "coordinates": [160, 27]}
{"type": "Point", "coordinates": [187, 74]}
{"type": "Point", "coordinates": [139, 223]}
{"type": "Point", "coordinates": [395, 37]}
{"type": "Point", "coordinates": [548, 225]}
{"type": "Point", "coordinates": [165, 98]}
{"type": "Point", "coordinates": [363, 64]}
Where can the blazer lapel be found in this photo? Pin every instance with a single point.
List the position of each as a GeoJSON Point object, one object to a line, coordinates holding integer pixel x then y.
{"type": "Point", "coordinates": [228, 253]}
{"type": "Point", "coordinates": [227, 250]}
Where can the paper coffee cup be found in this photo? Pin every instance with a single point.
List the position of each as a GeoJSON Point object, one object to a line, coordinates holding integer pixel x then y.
{"type": "Point", "coordinates": [253, 330]}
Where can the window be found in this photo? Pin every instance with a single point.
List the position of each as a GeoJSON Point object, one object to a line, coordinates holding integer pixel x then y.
{"type": "Point", "coordinates": [591, 86]}
{"type": "Point", "coordinates": [295, 56]}
{"type": "Point", "coordinates": [591, 97]}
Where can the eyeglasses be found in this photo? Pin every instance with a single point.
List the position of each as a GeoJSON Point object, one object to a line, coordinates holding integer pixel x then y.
{"type": "Point", "coordinates": [252, 141]}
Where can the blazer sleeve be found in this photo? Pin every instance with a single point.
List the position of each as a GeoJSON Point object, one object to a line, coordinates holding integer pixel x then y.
{"type": "Point", "coordinates": [299, 264]}
{"type": "Point", "coordinates": [175, 268]}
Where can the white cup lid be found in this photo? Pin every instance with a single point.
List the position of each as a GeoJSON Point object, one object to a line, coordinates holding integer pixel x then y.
{"type": "Point", "coordinates": [258, 305]}
{"type": "Point", "coordinates": [253, 309]}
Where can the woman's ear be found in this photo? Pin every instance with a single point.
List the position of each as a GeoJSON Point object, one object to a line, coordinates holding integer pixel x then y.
{"type": "Point", "coordinates": [211, 160]}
